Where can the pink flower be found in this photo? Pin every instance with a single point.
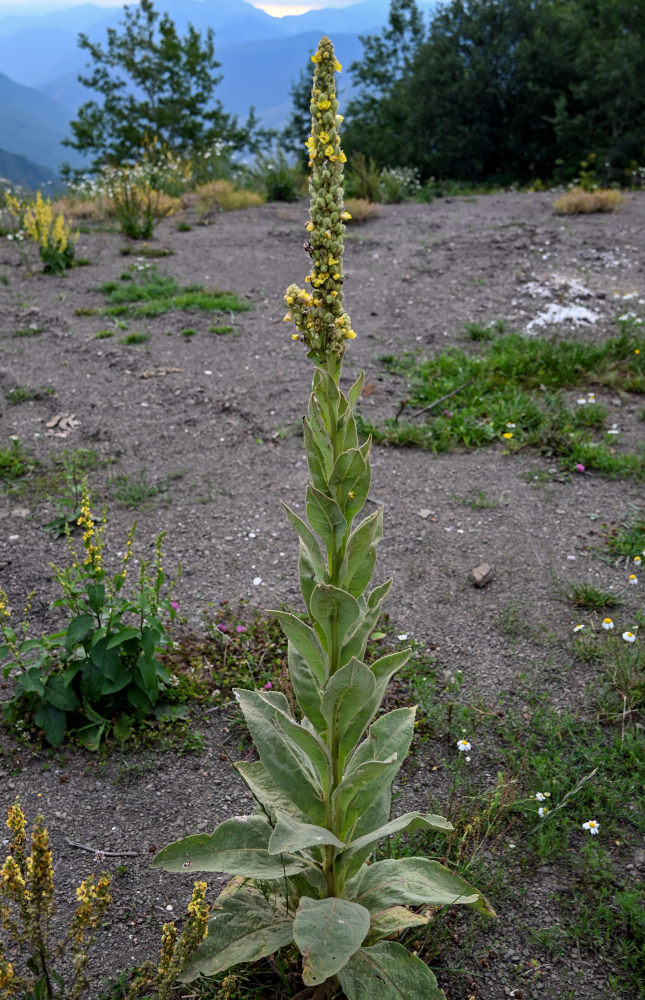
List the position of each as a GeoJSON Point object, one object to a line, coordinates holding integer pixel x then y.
{"type": "Point", "coordinates": [240, 628]}
{"type": "Point", "coordinates": [222, 627]}
{"type": "Point", "coordinates": [268, 686]}
{"type": "Point", "coordinates": [174, 605]}
{"type": "Point", "coordinates": [580, 467]}
{"type": "Point", "coordinates": [447, 413]}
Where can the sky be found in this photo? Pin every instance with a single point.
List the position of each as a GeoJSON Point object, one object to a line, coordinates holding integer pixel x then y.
{"type": "Point", "coordinates": [276, 8]}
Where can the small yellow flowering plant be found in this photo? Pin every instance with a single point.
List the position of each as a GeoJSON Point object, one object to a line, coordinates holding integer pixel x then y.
{"type": "Point", "coordinates": [102, 672]}
{"type": "Point", "coordinates": [26, 911]}
{"type": "Point", "coordinates": [322, 784]}
{"type": "Point", "coordinates": [49, 231]}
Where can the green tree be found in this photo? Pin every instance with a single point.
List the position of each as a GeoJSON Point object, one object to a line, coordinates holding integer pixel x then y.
{"type": "Point", "coordinates": [379, 107]}
{"type": "Point", "coordinates": [296, 130]}
{"type": "Point", "coordinates": [154, 83]}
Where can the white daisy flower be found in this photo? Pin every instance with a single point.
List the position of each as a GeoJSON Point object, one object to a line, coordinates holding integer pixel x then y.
{"type": "Point", "coordinates": [629, 637]}
{"type": "Point", "coordinates": [578, 628]}
{"type": "Point", "coordinates": [633, 579]}
{"type": "Point", "coordinates": [463, 745]}
{"type": "Point", "coordinates": [592, 826]}
{"type": "Point", "coordinates": [607, 624]}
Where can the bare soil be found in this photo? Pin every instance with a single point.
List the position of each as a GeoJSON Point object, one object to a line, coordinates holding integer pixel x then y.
{"type": "Point", "coordinates": [216, 420]}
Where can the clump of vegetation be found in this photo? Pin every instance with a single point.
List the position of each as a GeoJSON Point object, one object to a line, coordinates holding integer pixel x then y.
{"type": "Point", "coordinates": [511, 393]}
{"type": "Point", "coordinates": [154, 292]}
{"type": "Point", "coordinates": [219, 196]}
{"type": "Point", "coordinates": [27, 911]}
{"type": "Point", "coordinates": [578, 201]}
{"type": "Point", "coordinates": [101, 672]}
{"type": "Point", "coordinates": [361, 210]}
{"type": "Point", "coordinates": [50, 232]}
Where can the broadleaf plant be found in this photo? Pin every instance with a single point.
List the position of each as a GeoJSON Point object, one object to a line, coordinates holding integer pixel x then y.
{"type": "Point", "coordinates": [322, 786]}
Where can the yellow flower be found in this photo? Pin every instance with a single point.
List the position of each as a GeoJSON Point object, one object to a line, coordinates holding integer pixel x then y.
{"type": "Point", "coordinates": [287, 318]}
{"type": "Point", "coordinates": [350, 334]}
{"type": "Point", "coordinates": [295, 336]}
{"type": "Point", "coordinates": [345, 215]}
{"type": "Point", "coordinates": [342, 157]}
{"type": "Point", "coordinates": [323, 105]}
{"type": "Point", "coordinates": [508, 434]}
{"type": "Point", "coordinates": [323, 137]}
{"type": "Point", "coordinates": [338, 67]}
{"type": "Point", "coordinates": [315, 58]}
{"type": "Point", "coordinates": [329, 151]}
{"type": "Point", "coordinates": [309, 227]}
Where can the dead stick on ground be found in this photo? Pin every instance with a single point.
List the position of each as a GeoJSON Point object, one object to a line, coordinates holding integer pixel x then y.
{"type": "Point", "coordinates": [442, 399]}
{"type": "Point", "coordinates": [105, 854]}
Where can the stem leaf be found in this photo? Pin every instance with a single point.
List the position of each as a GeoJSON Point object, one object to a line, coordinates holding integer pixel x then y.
{"type": "Point", "coordinates": [415, 882]}
{"type": "Point", "coordinates": [291, 835]}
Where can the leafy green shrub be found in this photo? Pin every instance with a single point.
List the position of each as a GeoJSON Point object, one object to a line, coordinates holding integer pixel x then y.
{"type": "Point", "coordinates": [275, 175]}
{"type": "Point", "coordinates": [363, 179]}
{"type": "Point", "coordinates": [323, 781]}
{"type": "Point", "coordinates": [398, 183]}
{"type": "Point", "coordinates": [101, 672]}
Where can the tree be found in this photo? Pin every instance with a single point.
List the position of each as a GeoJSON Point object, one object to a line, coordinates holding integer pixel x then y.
{"type": "Point", "coordinates": [154, 84]}
{"type": "Point", "coordinates": [297, 129]}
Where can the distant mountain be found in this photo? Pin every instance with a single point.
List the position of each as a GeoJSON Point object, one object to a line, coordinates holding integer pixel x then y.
{"type": "Point", "coordinates": [19, 170]}
{"type": "Point", "coordinates": [260, 55]}
{"type": "Point", "coordinates": [32, 125]}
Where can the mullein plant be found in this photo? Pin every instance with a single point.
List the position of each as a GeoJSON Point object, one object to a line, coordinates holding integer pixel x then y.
{"type": "Point", "coordinates": [49, 231]}
{"type": "Point", "coordinates": [322, 785]}
{"type": "Point", "coordinates": [26, 912]}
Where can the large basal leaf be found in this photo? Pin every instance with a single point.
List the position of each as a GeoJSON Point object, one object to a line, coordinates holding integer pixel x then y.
{"type": "Point", "coordinates": [357, 640]}
{"type": "Point", "coordinates": [335, 610]}
{"type": "Point", "coordinates": [343, 703]}
{"type": "Point", "coordinates": [387, 971]}
{"type": "Point", "coordinates": [306, 642]}
{"type": "Point", "coordinates": [325, 517]}
{"type": "Point", "coordinates": [387, 923]}
{"type": "Point", "coordinates": [265, 791]}
{"type": "Point", "coordinates": [237, 847]}
{"type": "Point", "coordinates": [291, 835]}
{"type": "Point", "coordinates": [53, 722]}
{"type": "Point", "coordinates": [244, 928]}
{"type": "Point", "coordinates": [59, 694]}
{"type": "Point", "coordinates": [408, 822]}
{"type": "Point", "coordinates": [413, 882]}
{"type": "Point", "coordinates": [306, 687]}
{"type": "Point", "coordinates": [284, 760]}
{"type": "Point", "coordinates": [328, 932]}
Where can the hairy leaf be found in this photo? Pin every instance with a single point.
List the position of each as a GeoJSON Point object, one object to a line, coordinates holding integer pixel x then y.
{"type": "Point", "coordinates": [409, 821]}
{"type": "Point", "coordinates": [238, 847]}
{"type": "Point", "coordinates": [335, 610]}
{"type": "Point", "coordinates": [244, 928]}
{"type": "Point", "coordinates": [306, 642]}
{"type": "Point", "coordinates": [327, 932]}
{"type": "Point", "coordinates": [291, 835]}
{"type": "Point", "coordinates": [387, 971]}
{"type": "Point", "coordinates": [415, 882]}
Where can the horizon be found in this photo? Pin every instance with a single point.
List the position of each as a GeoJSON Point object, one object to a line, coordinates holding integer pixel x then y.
{"type": "Point", "coordinates": [274, 8]}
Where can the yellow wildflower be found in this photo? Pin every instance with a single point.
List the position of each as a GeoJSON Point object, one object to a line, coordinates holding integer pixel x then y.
{"type": "Point", "coordinates": [323, 105]}
{"type": "Point", "coordinates": [309, 227]}
{"type": "Point", "coordinates": [323, 138]}
{"type": "Point", "coordinates": [315, 58]}
{"type": "Point", "coordinates": [350, 334]}
{"type": "Point", "coordinates": [338, 67]}
{"type": "Point", "coordinates": [345, 215]}
{"type": "Point", "coordinates": [287, 318]}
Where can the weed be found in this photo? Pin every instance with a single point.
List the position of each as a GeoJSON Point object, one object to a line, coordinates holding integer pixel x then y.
{"type": "Point", "coordinates": [510, 393]}
{"type": "Point", "coordinates": [629, 539]}
{"type": "Point", "coordinates": [585, 595]}
{"type": "Point", "coordinates": [103, 334]}
{"type": "Point", "coordinates": [15, 461]}
{"type": "Point", "coordinates": [361, 210]}
{"type": "Point", "coordinates": [134, 491]}
{"type": "Point", "coordinates": [183, 227]}
{"type": "Point", "coordinates": [188, 333]}
{"type": "Point", "coordinates": [577, 201]}
{"type": "Point", "coordinates": [479, 502]}
{"type": "Point", "coordinates": [22, 394]}
{"type": "Point", "coordinates": [147, 251]}
{"type": "Point", "coordinates": [132, 339]}
{"type": "Point", "coordinates": [222, 330]}
{"type": "Point", "coordinates": [28, 331]}
{"type": "Point", "coordinates": [156, 293]}
{"type": "Point", "coordinates": [475, 331]}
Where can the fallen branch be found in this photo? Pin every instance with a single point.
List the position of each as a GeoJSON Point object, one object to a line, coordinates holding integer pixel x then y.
{"type": "Point", "coordinates": [102, 854]}
{"type": "Point", "coordinates": [442, 399]}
